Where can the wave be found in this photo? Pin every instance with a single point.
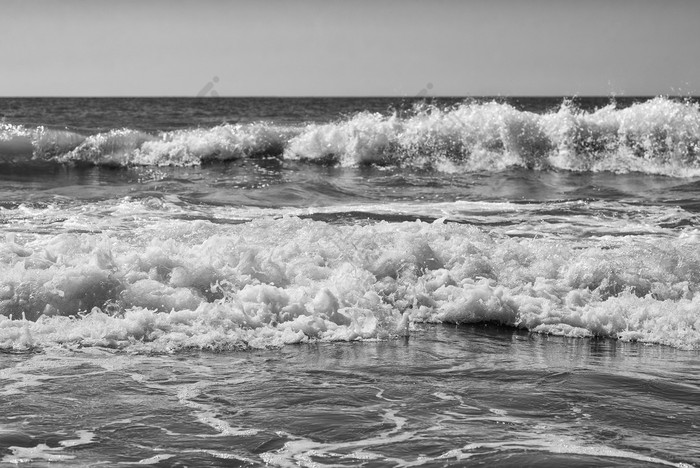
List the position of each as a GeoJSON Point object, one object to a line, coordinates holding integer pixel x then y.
{"type": "Point", "coordinates": [171, 284]}
{"type": "Point", "coordinates": [659, 136]}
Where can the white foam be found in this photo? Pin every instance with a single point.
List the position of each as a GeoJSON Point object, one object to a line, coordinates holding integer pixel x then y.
{"type": "Point", "coordinates": [225, 142]}
{"type": "Point", "coordinates": [116, 147]}
{"type": "Point", "coordinates": [659, 136]}
{"type": "Point", "coordinates": [207, 415]}
{"type": "Point", "coordinates": [558, 445]}
{"type": "Point", "coordinates": [161, 283]}
{"type": "Point", "coordinates": [21, 455]}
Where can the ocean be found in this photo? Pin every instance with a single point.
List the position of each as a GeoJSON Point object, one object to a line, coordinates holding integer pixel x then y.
{"type": "Point", "coordinates": [350, 281]}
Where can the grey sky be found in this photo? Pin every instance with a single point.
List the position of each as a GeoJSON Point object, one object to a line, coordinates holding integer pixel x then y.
{"type": "Point", "coordinates": [333, 48]}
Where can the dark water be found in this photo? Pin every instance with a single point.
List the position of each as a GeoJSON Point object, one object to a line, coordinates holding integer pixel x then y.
{"type": "Point", "coordinates": [365, 281]}
{"type": "Point", "coordinates": [154, 114]}
{"type": "Point", "coordinates": [427, 401]}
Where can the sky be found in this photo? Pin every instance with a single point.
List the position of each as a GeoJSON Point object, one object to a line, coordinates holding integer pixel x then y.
{"type": "Point", "coordinates": [349, 48]}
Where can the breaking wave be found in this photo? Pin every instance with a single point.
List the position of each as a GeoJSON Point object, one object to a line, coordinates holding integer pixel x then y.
{"type": "Point", "coordinates": [659, 136]}
{"type": "Point", "coordinates": [173, 284]}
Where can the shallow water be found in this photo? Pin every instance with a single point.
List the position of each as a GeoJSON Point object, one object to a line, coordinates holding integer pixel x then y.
{"type": "Point", "coordinates": [445, 396]}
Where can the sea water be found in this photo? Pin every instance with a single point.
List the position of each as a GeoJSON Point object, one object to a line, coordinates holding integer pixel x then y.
{"type": "Point", "coordinates": [350, 282]}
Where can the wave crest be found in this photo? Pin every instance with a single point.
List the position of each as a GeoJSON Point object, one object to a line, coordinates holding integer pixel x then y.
{"type": "Point", "coordinates": [660, 136]}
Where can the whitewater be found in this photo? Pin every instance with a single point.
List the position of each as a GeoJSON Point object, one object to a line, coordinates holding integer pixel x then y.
{"type": "Point", "coordinates": [349, 281]}
{"type": "Point", "coordinates": [657, 136]}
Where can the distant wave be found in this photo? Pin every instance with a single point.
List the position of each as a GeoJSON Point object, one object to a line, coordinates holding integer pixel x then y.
{"type": "Point", "coordinates": [660, 136]}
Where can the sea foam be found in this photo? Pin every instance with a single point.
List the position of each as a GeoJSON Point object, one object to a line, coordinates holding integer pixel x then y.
{"type": "Point", "coordinates": [173, 284]}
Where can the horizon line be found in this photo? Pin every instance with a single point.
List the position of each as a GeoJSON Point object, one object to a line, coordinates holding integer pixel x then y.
{"type": "Point", "coordinates": [371, 96]}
